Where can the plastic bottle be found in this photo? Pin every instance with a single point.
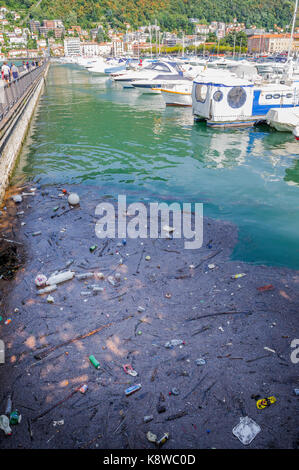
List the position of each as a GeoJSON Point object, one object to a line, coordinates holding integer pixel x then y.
{"type": "Point", "coordinates": [8, 405]}
{"type": "Point", "coordinates": [132, 389]}
{"type": "Point", "coordinates": [47, 289]}
{"type": "Point", "coordinates": [84, 388]}
{"type": "Point", "coordinates": [4, 425]}
{"type": "Point", "coordinates": [94, 362]}
{"type": "Point", "coordinates": [61, 277]}
{"type": "Point", "coordinates": [174, 342]}
{"type": "Point", "coordinates": [15, 417]}
{"type": "Point", "coordinates": [84, 276]}
{"type": "Point", "coordinates": [163, 439]}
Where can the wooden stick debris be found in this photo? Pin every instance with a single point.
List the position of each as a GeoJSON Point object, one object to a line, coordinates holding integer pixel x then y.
{"type": "Point", "coordinates": [217, 314]}
{"type": "Point", "coordinates": [65, 343]}
{"type": "Point", "coordinates": [10, 241]}
{"type": "Point", "coordinates": [177, 415]}
{"type": "Point", "coordinates": [55, 405]}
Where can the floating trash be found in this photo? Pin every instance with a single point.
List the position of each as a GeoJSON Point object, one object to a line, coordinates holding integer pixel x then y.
{"type": "Point", "coordinates": [200, 361]}
{"type": "Point", "coordinates": [73, 199]}
{"type": "Point", "coordinates": [40, 280]}
{"type": "Point", "coordinates": [151, 437]}
{"type": "Point", "coordinates": [246, 430]}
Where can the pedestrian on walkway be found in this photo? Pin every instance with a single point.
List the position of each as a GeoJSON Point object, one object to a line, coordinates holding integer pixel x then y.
{"type": "Point", "coordinates": [14, 72]}
{"type": "Point", "coordinates": [5, 72]}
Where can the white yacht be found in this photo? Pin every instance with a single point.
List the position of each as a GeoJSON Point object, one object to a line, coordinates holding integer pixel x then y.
{"type": "Point", "coordinates": [283, 119]}
{"type": "Point", "coordinates": [178, 93]}
{"type": "Point", "coordinates": [151, 71]}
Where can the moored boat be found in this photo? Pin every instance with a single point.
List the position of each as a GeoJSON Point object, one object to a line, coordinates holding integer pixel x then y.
{"type": "Point", "coordinates": [285, 120]}
{"type": "Point", "coordinates": [178, 94]}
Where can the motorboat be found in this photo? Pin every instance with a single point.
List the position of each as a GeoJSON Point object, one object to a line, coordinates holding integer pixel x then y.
{"type": "Point", "coordinates": [178, 93]}
{"type": "Point", "coordinates": [283, 119]}
{"type": "Point", "coordinates": [98, 66]}
{"type": "Point", "coordinates": [150, 72]}
{"type": "Point", "coordinates": [155, 86]}
{"type": "Point", "coordinates": [227, 100]}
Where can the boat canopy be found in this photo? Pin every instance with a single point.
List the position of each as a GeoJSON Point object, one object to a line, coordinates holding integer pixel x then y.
{"type": "Point", "coordinates": [224, 81]}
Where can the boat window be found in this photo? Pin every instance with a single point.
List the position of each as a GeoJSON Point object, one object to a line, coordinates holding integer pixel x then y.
{"type": "Point", "coordinates": [289, 95]}
{"type": "Point", "coordinates": [162, 67]}
{"type": "Point", "coordinates": [218, 95]}
{"type": "Point", "coordinates": [268, 97]}
{"type": "Point", "coordinates": [201, 93]}
{"type": "Point", "coordinates": [276, 96]}
{"type": "Point", "coordinates": [236, 97]}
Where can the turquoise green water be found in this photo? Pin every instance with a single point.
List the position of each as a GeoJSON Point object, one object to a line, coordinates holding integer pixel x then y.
{"type": "Point", "coordinates": [89, 131]}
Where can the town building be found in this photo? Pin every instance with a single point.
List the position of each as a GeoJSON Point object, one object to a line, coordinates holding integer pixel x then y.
{"type": "Point", "coordinates": [90, 48]}
{"type": "Point", "coordinates": [202, 29]}
{"type": "Point", "coordinates": [271, 43]}
{"type": "Point", "coordinates": [117, 46]}
{"type": "Point", "coordinates": [34, 26]}
{"type": "Point", "coordinates": [57, 50]}
{"type": "Point", "coordinates": [72, 46]}
{"type": "Point", "coordinates": [105, 48]}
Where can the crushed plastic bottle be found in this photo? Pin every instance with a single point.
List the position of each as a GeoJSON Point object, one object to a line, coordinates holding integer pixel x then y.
{"type": "Point", "coordinates": [151, 437]}
{"type": "Point", "coordinates": [60, 277]}
{"type": "Point", "coordinates": [4, 425]}
{"type": "Point", "coordinates": [173, 342]}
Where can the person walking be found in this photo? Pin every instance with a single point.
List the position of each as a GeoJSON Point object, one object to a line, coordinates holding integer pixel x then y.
{"type": "Point", "coordinates": [14, 72]}
{"type": "Point", "coordinates": [5, 72]}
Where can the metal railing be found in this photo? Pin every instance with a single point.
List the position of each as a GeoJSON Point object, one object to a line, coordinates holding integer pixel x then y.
{"type": "Point", "coordinates": [13, 92]}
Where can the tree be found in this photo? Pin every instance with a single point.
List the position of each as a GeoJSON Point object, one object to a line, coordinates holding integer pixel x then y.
{"type": "Point", "coordinates": [102, 36]}
{"type": "Point", "coordinates": [31, 44]}
{"type": "Point", "coordinates": [235, 38]}
{"type": "Point", "coordinates": [211, 37]}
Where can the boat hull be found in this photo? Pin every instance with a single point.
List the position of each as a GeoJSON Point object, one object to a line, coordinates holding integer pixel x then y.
{"type": "Point", "coordinates": [176, 98]}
